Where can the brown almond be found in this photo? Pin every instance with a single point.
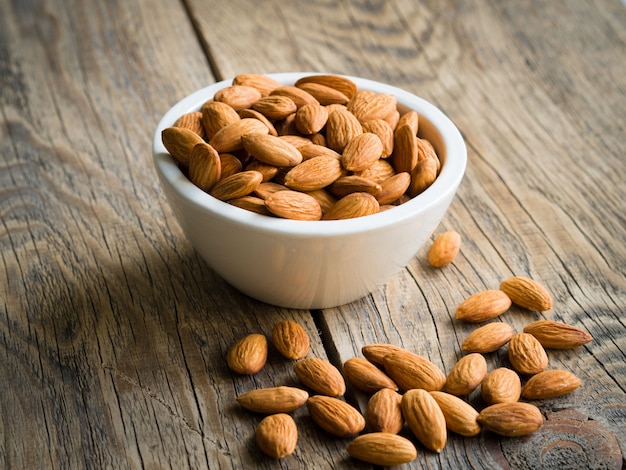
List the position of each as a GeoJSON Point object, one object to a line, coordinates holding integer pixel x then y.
{"type": "Point", "coordinates": [321, 376]}
{"type": "Point", "coordinates": [294, 205]}
{"type": "Point", "coordinates": [228, 139]}
{"type": "Point", "coordinates": [379, 171]}
{"type": "Point", "coordinates": [273, 400]}
{"type": "Point", "coordinates": [488, 338]}
{"type": "Point", "coordinates": [325, 95]}
{"type": "Point", "coordinates": [384, 132]}
{"type": "Point", "coordinates": [405, 149]}
{"type": "Point", "coordinates": [205, 166]}
{"type": "Point", "coordinates": [230, 165]}
{"type": "Point", "coordinates": [392, 119]}
{"type": "Point", "coordinates": [311, 150]}
{"type": "Point", "coordinates": [384, 411]}
{"type": "Point", "coordinates": [361, 152]}
{"type": "Point", "coordinates": [526, 354]}
{"type": "Point", "coordinates": [337, 82]}
{"type": "Point", "coordinates": [349, 184]}
{"type": "Point", "coordinates": [324, 198]}
{"type": "Point", "coordinates": [425, 418]}
{"type": "Point", "coordinates": [461, 417]}
{"type": "Point", "coordinates": [466, 374]}
{"type": "Point", "coordinates": [297, 95]}
{"type": "Point", "coordinates": [271, 150]}
{"type": "Point", "coordinates": [277, 435]}
{"type": "Point", "coordinates": [511, 419]}
{"type": "Point", "coordinates": [311, 118]}
{"type": "Point", "coordinates": [335, 416]}
{"type": "Point", "coordinates": [365, 376]}
{"type": "Point", "coordinates": [267, 189]}
{"type": "Point", "coordinates": [501, 385]}
{"type": "Point", "coordinates": [367, 105]}
{"type": "Point", "coordinates": [353, 205]}
{"type": "Point", "coordinates": [423, 176]}
{"type": "Point", "coordinates": [412, 119]}
{"type": "Point", "coordinates": [444, 249]}
{"type": "Point", "coordinates": [410, 370]}
{"type": "Point", "coordinates": [268, 171]}
{"type": "Point", "coordinates": [392, 188]}
{"type": "Point", "coordinates": [237, 185]}
{"type": "Point", "coordinates": [250, 203]}
{"type": "Point", "coordinates": [261, 82]}
{"type": "Point", "coordinates": [381, 448]}
{"type": "Point", "coordinates": [238, 97]}
{"type": "Point", "coordinates": [193, 122]}
{"type": "Point", "coordinates": [557, 335]}
{"type": "Point", "coordinates": [275, 107]}
{"type": "Point", "coordinates": [287, 126]}
{"type": "Point", "coordinates": [291, 339]}
{"type": "Point", "coordinates": [312, 174]}
{"type": "Point", "coordinates": [216, 115]}
{"type": "Point", "coordinates": [527, 293]}
{"type": "Point", "coordinates": [248, 355]}
{"type": "Point", "coordinates": [180, 142]}
{"type": "Point", "coordinates": [550, 384]}
{"type": "Point", "coordinates": [426, 150]}
{"type": "Point", "coordinates": [375, 353]}
{"type": "Point", "coordinates": [341, 127]}
{"type": "Point", "coordinates": [254, 114]}
{"type": "Point", "coordinates": [483, 306]}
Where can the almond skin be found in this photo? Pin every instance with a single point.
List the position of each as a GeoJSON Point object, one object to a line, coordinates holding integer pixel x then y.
{"type": "Point", "coordinates": [425, 418]}
{"type": "Point", "coordinates": [353, 205]}
{"type": "Point", "coordinates": [365, 376]}
{"type": "Point", "coordinates": [342, 126]}
{"type": "Point", "coordinates": [384, 449]}
{"type": "Point", "coordinates": [273, 399]}
{"type": "Point", "coordinates": [293, 205]}
{"type": "Point", "coordinates": [311, 118]}
{"type": "Point", "coordinates": [248, 355]}
{"type": "Point", "coordinates": [312, 174]}
{"type": "Point", "coordinates": [526, 354]}
{"type": "Point", "coordinates": [271, 150]}
{"type": "Point", "coordinates": [335, 416]}
{"type": "Point", "coordinates": [466, 375]}
{"type": "Point", "coordinates": [511, 419]}
{"type": "Point", "coordinates": [321, 376]}
{"type": "Point", "coordinates": [180, 142]}
{"type": "Point", "coordinates": [205, 166]}
{"type": "Point", "coordinates": [237, 185]}
{"type": "Point", "coordinates": [550, 384]}
{"type": "Point", "coordinates": [501, 385]}
{"type": "Point", "coordinates": [488, 338]}
{"type": "Point", "coordinates": [193, 122]}
{"type": "Point", "coordinates": [557, 335]}
{"type": "Point", "coordinates": [384, 411]}
{"type": "Point", "coordinates": [527, 293]}
{"type": "Point", "coordinates": [405, 149]}
{"type": "Point", "coordinates": [291, 340]}
{"type": "Point", "coordinates": [275, 108]}
{"type": "Point", "coordinates": [375, 353]}
{"type": "Point", "coordinates": [461, 417]}
{"type": "Point", "coordinates": [483, 306]}
{"type": "Point", "coordinates": [361, 152]}
{"type": "Point", "coordinates": [393, 188]}
{"type": "Point", "coordinates": [410, 371]}
{"type": "Point", "coordinates": [216, 115]}
{"type": "Point", "coordinates": [423, 175]}
{"type": "Point", "coordinates": [277, 435]}
{"type": "Point", "coordinates": [368, 105]}
{"type": "Point", "coordinates": [444, 249]}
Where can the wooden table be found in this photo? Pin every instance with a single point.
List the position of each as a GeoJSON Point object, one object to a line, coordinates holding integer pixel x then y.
{"type": "Point", "coordinates": [113, 332]}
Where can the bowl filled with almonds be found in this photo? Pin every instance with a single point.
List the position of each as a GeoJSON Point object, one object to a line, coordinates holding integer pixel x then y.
{"type": "Point", "coordinates": [307, 190]}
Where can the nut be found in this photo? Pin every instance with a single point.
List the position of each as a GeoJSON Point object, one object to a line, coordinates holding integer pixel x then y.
{"type": "Point", "coordinates": [365, 376]}
{"type": "Point", "coordinates": [461, 417]}
{"type": "Point", "coordinates": [384, 412]}
{"type": "Point", "coordinates": [277, 435]}
{"type": "Point", "coordinates": [335, 416]}
{"type": "Point", "coordinates": [501, 385]}
{"type": "Point", "coordinates": [557, 335]}
{"type": "Point", "coordinates": [527, 293]}
{"type": "Point", "coordinates": [511, 419]}
{"type": "Point", "coordinates": [410, 371]}
{"type": "Point", "coordinates": [444, 249]}
{"type": "Point", "coordinates": [550, 384]}
{"type": "Point", "coordinates": [321, 376]}
{"type": "Point", "coordinates": [382, 448]}
{"type": "Point", "coordinates": [273, 400]}
{"type": "Point", "coordinates": [488, 338]}
{"type": "Point", "coordinates": [248, 355]}
{"type": "Point", "coordinates": [483, 306]}
{"type": "Point", "coordinates": [526, 354]}
{"type": "Point", "coordinates": [291, 340]}
{"type": "Point", "coordinates": [466, 375]}
{"type": "Point", "coordinates": [425, 419]}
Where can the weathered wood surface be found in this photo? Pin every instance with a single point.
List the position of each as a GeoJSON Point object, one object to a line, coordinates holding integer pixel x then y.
{"type": "Point", "coordinates": [113, 332]}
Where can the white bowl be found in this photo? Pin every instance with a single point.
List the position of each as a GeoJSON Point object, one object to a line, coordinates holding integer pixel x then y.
{"type": "Point", "coordinates": [312, 264]}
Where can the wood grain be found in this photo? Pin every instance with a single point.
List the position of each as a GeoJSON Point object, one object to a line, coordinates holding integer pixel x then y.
{"type": "Point", "coordinates": [113, 332]}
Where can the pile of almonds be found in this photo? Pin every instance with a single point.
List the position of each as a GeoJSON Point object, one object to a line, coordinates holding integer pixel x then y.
{"type": "Point", "coordinates": [320, 149]}
{"type": "Point", "coordinates": [407, 388]}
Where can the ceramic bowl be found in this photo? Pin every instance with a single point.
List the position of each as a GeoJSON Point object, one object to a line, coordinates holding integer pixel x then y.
{"type": "Point", "coordinates": [312, 264]}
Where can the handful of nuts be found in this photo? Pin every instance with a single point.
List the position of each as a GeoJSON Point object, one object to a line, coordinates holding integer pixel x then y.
{"type": "Point", "coordinates": [320, 149]}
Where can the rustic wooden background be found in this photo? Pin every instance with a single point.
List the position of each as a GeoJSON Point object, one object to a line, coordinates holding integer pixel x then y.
{"type": "Point", "coordinates": [113, 332]}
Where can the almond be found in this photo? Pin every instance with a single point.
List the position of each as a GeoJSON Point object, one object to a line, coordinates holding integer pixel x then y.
{"type": "Point", "coordinates": [271, 150]}
{"type": "Point", "coordinates": [193, 122]}
{"type": "Point", "coordinates": [312, 174]}
{"type": "Point", "coordinates": [180, 142]}
{"type": "Point", "coordinates": [466, 375]}
{"type": "Point", "coordinates": [237, 185]}
{"type": "Point", "coordinates": [310, 150]}
{"type": "Point", "coordinates": [275, 108]}
{"type": "Point", "coordinates": [294, 205]}
{"type": "Point", "coordinates": [550, 384]}
{"type": "Point", "coordinates": [238, 97]}
{"type": "Point", "coordinates": [557, 335]}
{"type": "Point", "coordinates": [353, 205]}
{"type": "Point", "coordinates": [324, 94]}
{"type": "Point", "coordinates": [511, 419]}
{"type": "Point", "coordinates": [392, 188]}
{"type": "Point", "coordinates": [375, 353]}
{"type": "Point", "coordinates": [311, 118]}
{"type": "Point", "coordinates": [381, 448]}
{"type": "Point", "coordinates": [342, 126]}
{"type": "Point", "coordinates": [361, 152]}
{"type": "Point", "coordinates": [230, 165]}
{"type": "Point", "coordinates": [248, 355]}
{"type": "Point", "coordinates": [205, 166]}
{"type": "Point", "coordinates": [228, 139]}
{"type": "Point", "coordinates": [273, 399]}
{"type": "Point", "coordinates": [349, 184]}
{"type": "Point", "coordinates": [264, 190]}
{"type": "Point", "coordinates": [404, 149]}
{"type": "Point", "coordinates": [216, 115]}
{"type": "Point", "coordinates": [367, 105]}
{"type": "Point", "coordinates": [501, 385]}
{"type": "Point", "coordinates": [488, 338]}
{"type": "Point", "coordinates": [423, 175]}
{"type": "Point", "coordinates": [483, 306]}
{"type": "Point", "coordinates": [425, 419]}
{"type": "Point", "coordinates": [444, 249]}
{"type": "Point", "coordinates": [263, 83]}
{"type": "Point", "coordinates": [254, 114]}
{"type": "Point", "coordinates": [365, 376]}
{"type": "Point", "coordinates": [277, 435]}
{"type": "Point", "coordinates": [409, 370]}
{"type": "Point", "coordinates": [461, 417]}
{"type": "Point", "coordinates": [426, 150]}
{"type": "Point", "coordinates": [291, 340]}
{"type": "Point", "coordinates": [526, 354]}
{"type": "Point", "coordinates": [298, 96]}
{"type": "Point", "coordinates": [335, 416]}
{"type": "Point", "coordinates": [384, 132]}
{"type": "Point", "coordinates": [337, 82]}
{"type": "Point", "coordinates": [250, 203]}
{"type": "Point", "coordinates": [527, 293]}
{"type": "Point", "coordinates": [412, 119]}
{"type": "Point", "coordinates": [384, 412]}
{"type": "Point", "coordinates": [321, 376]}
{"type": "Point", "coordinates": [324, 199]}
{"type": "Point", "coordinates": [268, 171]}
{"type": "Point", "coordinates": [381, 170]}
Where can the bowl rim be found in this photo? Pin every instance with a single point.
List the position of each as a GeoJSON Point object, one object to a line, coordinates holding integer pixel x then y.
{"type": "Point", "coordinates": [452, 170]}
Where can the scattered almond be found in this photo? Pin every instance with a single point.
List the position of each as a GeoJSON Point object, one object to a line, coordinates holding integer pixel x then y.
{"type": "Point", "coordinates": [526, 354]}
{"type": "Point", "coordinates": [466, 375]}
{"type": "Point", "coordinates": [335, 416]}
{"type": "Point", "coordinates": [384, 411]}
{"type": "Point", "coordinates": [381, 448]}
{"type": "Point", "coordinates": [291, 339]}
{"type": "Point", "coordinates": [273, 399]}
{"type": "Point", "coordinates": [365, 376]}
{"type": "Point", "coordinates": [444, 249]}
{"type": "Point", "coordinates": [511, 419]}
{"type": "Point", "coordinates": [488, 338]}
{"type": "Point", "coordinates": [460, 416]}
{"type": "Point", "coordinates": [425, 418]}
{"type": "Point", "coordinates": [321, 376]}
{"type": "Point", "coordinates": [483, 306]}
{"type": "Point", "coordinates": [550, 384]}
{"type": "Point", "coordinates": [375, 353]}
{"type": "Point", "coordinates": [248, 355]}
{"type": "Point", "coordinates": [557, 335]}
{"type": "Point", "coordinates": [501, 385]}
{"type": "Point", "coordinates": [277, 435]}
{"type": "Point", "coordinates": [527, 293]}
{"type": "Point", "coordinates": [410, 370]}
